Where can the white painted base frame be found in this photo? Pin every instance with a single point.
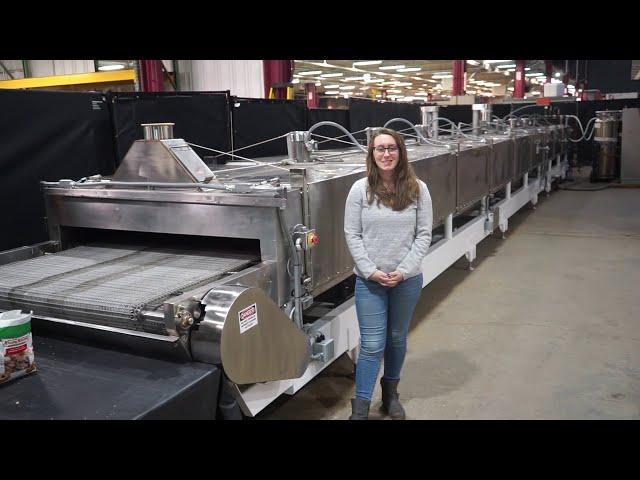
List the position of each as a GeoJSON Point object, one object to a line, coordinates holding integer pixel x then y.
{"type": "Point", "coordinates": [341, 324]}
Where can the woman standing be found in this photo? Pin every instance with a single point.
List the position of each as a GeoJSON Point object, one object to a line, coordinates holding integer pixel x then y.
{"type": "Point", "coordinates": [387, 224]}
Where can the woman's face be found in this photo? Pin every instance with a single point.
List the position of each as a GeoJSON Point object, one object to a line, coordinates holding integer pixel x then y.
{"type": "Point", "coordinates": [385, 152]}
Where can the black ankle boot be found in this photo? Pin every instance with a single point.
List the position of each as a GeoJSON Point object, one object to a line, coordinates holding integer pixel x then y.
{"type": "Point", "coordinates": [390, 402]}
{"type": "Point", "coordinates": [359, 409]}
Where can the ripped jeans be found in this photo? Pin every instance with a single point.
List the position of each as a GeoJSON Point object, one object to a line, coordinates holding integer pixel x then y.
{"type": "Point", "coordinates": [384, 315]}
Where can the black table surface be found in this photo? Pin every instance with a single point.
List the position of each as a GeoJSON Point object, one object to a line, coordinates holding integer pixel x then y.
{"type": "Point", "coordinates": [89, 382]}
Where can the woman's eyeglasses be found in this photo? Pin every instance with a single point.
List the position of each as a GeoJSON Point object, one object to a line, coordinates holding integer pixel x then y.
{"type": "Point", "coordinates": [390, 148]}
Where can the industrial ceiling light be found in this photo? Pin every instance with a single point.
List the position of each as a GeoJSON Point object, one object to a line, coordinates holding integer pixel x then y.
{"type": "Point", "coordinates": [391, 67]}
{"type": "Point", "coordinates": [107, 68]}
{"type": "Point", "coordinates": [368, 62]}
{"type": "Point", "coordinates": [327, 75]}
{"type": "Point", "coordinates": [312, 72]}
{"type": "Point", "coordinates": [409, 69]}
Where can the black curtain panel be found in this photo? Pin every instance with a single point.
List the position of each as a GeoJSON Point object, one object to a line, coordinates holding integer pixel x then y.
{"type": "Point", "coordinates": [371, 113]}
{"type": "Point", "coordinates": [339, 116]}
{"type": "Point", "coordinates": [256, 120]}
{"type": "Point", "coordinates": [47, 136]}
{"type": "Point", "coordinates": [201, 118]}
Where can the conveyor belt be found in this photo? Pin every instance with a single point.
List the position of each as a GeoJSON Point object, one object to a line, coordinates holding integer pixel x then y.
{"type": "Point", "coordinates": [108, 284]}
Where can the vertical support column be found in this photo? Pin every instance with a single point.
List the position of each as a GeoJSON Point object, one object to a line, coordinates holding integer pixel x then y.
{"type": "Point", "coordinates": [312, 95]}
{"type": "Point", "coordinates": [151, 78]}
{"type": "Point", "coordinates": [508, 191]}
{"type": "Point", "coordinates": [471, 256]}
{"type": "Point", "coordinates": [429, 114]}
{"type": "Point", "coordinates": [448, 227]}
{"type": "Point", "coordinates": [567, 77]}
{"type": "Point", "coordinates": [548, 67]}
{"type": "Point", "coordinates": [541, 183]}
{"type": "Point", "coordinates": [458, 77]}
{"type": "Point", "coordinates": [277, 76]}
{"type": "Point", "coordinates": [518, 79]}
{"type": "Point", "coordinates": [481, 116]}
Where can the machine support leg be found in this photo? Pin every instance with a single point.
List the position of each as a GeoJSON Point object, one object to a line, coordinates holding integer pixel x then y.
{"type": "Point", "coordinates": [448, 227]}
{"type": "Point", "coordinates": [471, 256]}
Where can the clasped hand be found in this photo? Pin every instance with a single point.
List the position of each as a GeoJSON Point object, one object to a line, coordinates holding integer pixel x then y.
{"type": "Point", "coordinates": [389, 280]}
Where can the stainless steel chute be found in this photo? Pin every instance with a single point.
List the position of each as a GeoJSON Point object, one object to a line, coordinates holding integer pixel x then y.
{"type": "Point", "coordinates": [257, 342]}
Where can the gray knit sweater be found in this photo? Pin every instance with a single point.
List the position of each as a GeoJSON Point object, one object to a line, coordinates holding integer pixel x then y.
{"type": "Point", "coordinates": [381, 239]}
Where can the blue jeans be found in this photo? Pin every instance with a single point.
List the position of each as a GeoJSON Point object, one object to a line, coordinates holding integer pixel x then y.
{"type": "Point", "coordinates": [384, 315]}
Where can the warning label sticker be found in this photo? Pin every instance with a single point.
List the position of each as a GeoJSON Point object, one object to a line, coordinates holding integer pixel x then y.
{"type": "Point", "coordinates": [248, 317]}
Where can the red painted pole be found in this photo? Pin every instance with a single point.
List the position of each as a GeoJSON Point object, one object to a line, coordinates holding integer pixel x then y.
{"type": "Point", "coordinates": [548, 66]}
{"type": "Point", "coordinates": [518, 76]}
{"type": "Point", "coordinates": [458, 77]}
{"type": "Point", "coordinates": [312, 95]}
{"type": "Point", "coordinates": [151, 78]}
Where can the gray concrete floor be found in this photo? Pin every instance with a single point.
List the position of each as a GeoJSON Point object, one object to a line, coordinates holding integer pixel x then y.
{"type": "Point", "coordinates": [547, 326]}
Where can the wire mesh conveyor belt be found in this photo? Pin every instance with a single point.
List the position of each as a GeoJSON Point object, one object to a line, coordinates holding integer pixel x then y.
{"type": "Point", "coordinates": [108, 284]}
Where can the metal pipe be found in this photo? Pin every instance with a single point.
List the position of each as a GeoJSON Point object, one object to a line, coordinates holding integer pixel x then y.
{"type": "Point", "coordinates": [297, 146]}
{"type": "Point", "coordinates": [297, 285]}
{"type": "Point", "coordinates": [157, 131]}
{"type": "Point", "coordinates": [6, 70]}
{"type": "Point", "coordinates": [151, 315]}
{"type": "Point", "coordinates": [481, 116]}
{"type": "Point", "coordinates": [429, 115]}
{"type": "Point", "coordinates": [404, 120]}
{"type": "Point", "coordinates": [213, 186]}
{"type": "Point", "coordinates": [176, 74]}
{"type": "Point", "coordinates": [337, 125]}
{"type": "Point", "coordinates": [25, 69]}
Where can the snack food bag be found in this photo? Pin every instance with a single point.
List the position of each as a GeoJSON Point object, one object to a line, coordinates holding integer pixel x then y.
{"type": "Point", "coordinates": [16, 346]}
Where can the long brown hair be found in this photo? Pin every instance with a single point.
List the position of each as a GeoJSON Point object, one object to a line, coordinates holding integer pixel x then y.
{"type": "Point", "coordinates": [406, 185]}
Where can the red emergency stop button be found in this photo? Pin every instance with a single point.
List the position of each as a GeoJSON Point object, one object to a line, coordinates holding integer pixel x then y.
{"type": "Point", "coordinates": [313, 239]}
